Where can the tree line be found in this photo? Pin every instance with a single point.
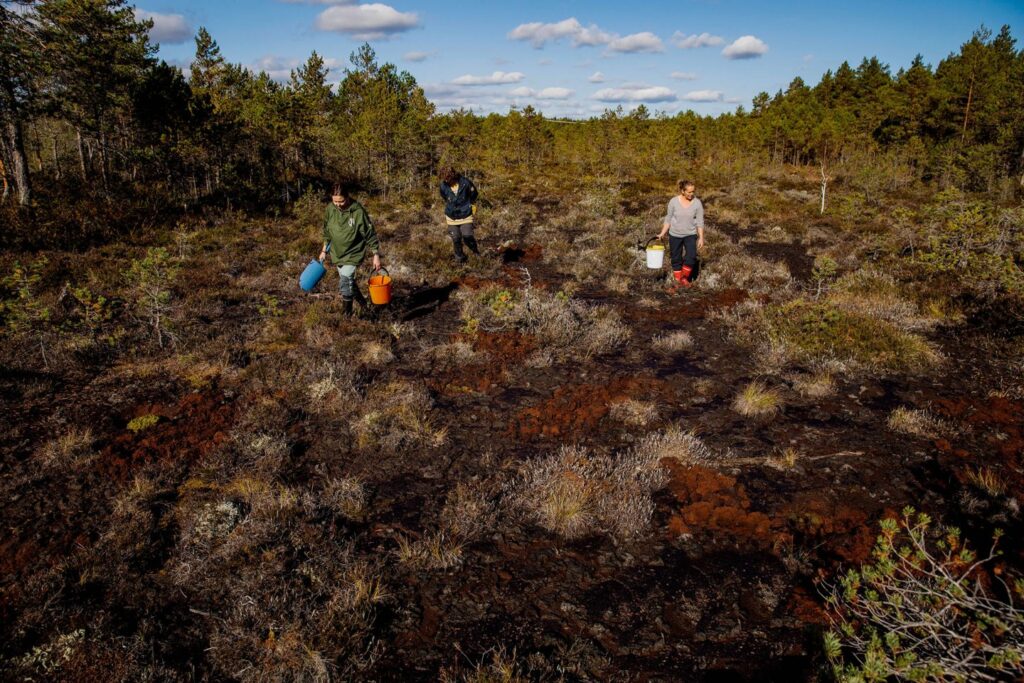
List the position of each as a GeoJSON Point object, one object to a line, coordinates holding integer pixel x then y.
{"type": "Point", "coordinates": [87, 108]}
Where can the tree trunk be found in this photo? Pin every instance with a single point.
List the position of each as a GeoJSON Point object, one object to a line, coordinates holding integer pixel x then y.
{"type": "Point", "coordinates": [56, 159]}
{"type": "Point", "coordinates": [3, 179]}
{"type": "Point", "coordinates": [103, 159]}
{"type": "Point", "coordinates": [81, 153]}
{"type": "Point", "coordinates": [967, 109]}
{"type": "Point", "coordinates": [19, 167]}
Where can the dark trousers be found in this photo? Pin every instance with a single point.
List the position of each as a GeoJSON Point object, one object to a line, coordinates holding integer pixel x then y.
{"type": "Point", "coordinates": [463, 233]}
{"type": "Point", "coordinates": [677, 245]}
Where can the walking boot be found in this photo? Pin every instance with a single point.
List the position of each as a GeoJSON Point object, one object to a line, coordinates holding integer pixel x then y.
{"type": "Point", "coordinates": [346, 307]}
{"type": "Point", "coordinates": [360, 299]}
{"type": "Point", "coordinates": [456, 236]}
{"type": "Point", "coordinates": [471, 243]}
{"type": "Point", "coordinates": [684, 276]}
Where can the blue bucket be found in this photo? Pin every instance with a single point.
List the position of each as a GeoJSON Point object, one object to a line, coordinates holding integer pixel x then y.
{"type": "Point", "coordinates": [311, 275]}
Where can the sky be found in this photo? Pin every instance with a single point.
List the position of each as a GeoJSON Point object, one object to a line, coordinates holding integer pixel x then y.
{"type": "Point", "coordinates": [577, 59]}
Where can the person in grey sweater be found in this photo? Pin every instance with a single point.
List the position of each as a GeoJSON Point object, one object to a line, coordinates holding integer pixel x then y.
{"type": "Point", "coordinates": [684, 225]}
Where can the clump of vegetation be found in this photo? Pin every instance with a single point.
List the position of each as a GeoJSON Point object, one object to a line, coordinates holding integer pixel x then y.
{"type": "Point", "coordinates": [345, 496]}
{"type": "Point", "coordinates": [819, 332]}
{"type": "Point", "coordinates": [396, 415]}
{"type": "Point", "coordinates": [817, 385]}
{"type": "Point", "coordinates": [142, 422]}
{"type": "Point", "coordinates": [67, 449]}
{"type": "Point", "coordinates": [920, 611]}
{"type": "Point", "coordinates": [634, 412]}
{"type": "Point", "coordinates": [918, 423]}
{"type": "Point", "coordinates": [674, 443]}
{"type": "Point", "coordinates": [757, 400]}
{"type": "Point", "coordinates": [672, 342]}
{"type": "Point", "coordinates": [575, 492]}
{"type": "Point", "coordinates": [560, 322]}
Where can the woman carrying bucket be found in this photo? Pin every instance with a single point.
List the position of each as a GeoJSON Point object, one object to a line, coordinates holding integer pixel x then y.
{"type": "Point", "coordinates": [684, 224]}
{"type": "Point", "coordinates": [348, 233]}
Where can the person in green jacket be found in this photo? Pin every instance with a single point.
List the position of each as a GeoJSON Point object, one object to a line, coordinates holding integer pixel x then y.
{"type": "Point", "coordinates": [348, 234]}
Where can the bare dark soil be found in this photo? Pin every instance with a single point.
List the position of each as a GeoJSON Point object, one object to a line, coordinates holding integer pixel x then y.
{"type": "Point", "coordinates": [723, 588]}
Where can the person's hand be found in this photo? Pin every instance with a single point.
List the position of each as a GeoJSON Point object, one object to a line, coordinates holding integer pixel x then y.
{"type": "Point", "coordinates": [376, 261]}
{"type": "Point", "coordinates": [323, 255]}
{"type": "Point", "coordinates": [700, 242]}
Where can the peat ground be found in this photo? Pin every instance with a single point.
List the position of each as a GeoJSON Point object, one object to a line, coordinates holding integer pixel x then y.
{"type": "Point", "coordinates": [723, 585]}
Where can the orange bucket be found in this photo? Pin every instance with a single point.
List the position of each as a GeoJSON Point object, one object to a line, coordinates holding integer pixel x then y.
{"type": "Point", "coordinates": [380, 288]}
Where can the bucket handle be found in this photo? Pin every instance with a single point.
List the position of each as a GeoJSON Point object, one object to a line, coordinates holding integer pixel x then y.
{"type": "Point", "coordinates": [382, 269]}
{"type": "Point", "coordinates": [648, 242]}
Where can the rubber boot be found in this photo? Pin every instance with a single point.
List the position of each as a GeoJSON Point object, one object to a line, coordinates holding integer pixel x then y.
{"type": "Point", "coordinates": [360, 299]}
{"type": "Point", "coordinates": [471, 243]}
{"type": "Point", "coordinates": [456, 236]}
{"type": "Point", "coordinates": [684, 276]}
{"type": "Point", "coordinates": [346, 307]}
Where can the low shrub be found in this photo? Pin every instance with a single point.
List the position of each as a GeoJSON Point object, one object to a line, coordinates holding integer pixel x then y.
{"type": "Point", "coordinates": [818, 332]}
{"type": "Point", "coordinates": [925, 607]}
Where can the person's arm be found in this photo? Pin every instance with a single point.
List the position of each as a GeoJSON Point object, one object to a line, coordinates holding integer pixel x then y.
{"type": "Point", "coordinates": [326, 234]}
{"type": "Point", "coordinates": [667, 222]}
{"type": "Point", "coordinates": [699, 217]}
{"type": "Point", "coordinates": [472, 191]}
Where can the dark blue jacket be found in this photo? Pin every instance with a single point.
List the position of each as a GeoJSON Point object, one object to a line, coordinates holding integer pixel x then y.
{"type": "Point", "coordinates": [459, 204]}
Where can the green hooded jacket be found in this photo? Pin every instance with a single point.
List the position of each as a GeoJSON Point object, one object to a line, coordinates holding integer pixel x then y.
{"type": "Point", "coordinates": [350, 232]}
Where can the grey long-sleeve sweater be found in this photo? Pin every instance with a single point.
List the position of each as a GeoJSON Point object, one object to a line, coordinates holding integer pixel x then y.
{"type": "Point", "coordinates": [684, 220]}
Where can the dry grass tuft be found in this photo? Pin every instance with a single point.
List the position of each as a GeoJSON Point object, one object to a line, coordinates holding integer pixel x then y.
{"type": "Point", "coordinates": [757, 400]}
{"type": "Point", "coordinates": [67, 450]}
{"type": "Point", "coordinates": [468, 512]}
{"type": "Point", "coordinates": [672, 342]}
{"type": "Point", "coordinates": [987, 480]}
{"type": "Point", "coordinates": [634, 412]}
{"type": "Point", "coordinates": [397, 415]}
{"type": "Point", "coordinates": [818, 385]}
{"type": "Point", "coordinates": [496, 666]}
{"type": "Point", "coordinates": [786, 460]}
{"type": "Point", "coordinates": [674, 443]}
{"type": "Point", "coordinates": [375, 354]}
{"type": "Point", "coordinates": [574, 493]}
{"type": "Point", "coordinates": [918, 423]}
{"type": "Point", "coordinates": [437, 550]}
{"type": "Point", "coordinates": [345, 496]}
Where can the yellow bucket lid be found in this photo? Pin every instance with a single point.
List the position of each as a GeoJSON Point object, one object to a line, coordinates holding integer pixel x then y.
{"type": "Point", "coordinates": [656, 247]}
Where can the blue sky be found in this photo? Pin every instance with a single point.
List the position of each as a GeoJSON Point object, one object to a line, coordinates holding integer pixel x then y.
{"type": "Point", "coordinates": [579, 58]}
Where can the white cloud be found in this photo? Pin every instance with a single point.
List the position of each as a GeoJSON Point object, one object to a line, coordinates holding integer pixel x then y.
{"type": "Point", "coordinates": [685, 42]}
{"type": "Point", "coordinates": [539, 34]}
{"type": "Point", "coordinates": [521, 91]}
{"type": "Point", "coordinates": [703, 96]}
{"type": "Point", "coordinates": [745, 47]}
{"type": "Point", "coordinates": [555, 94]}
{"type": "Point", "coordinates": [366, 22]}
{"type": "Point", "coordinates": [637, 42]}
{"type": "Point", "coordinates": [596, 77]}
{"type": "Point", "coordinates": [496, 78]}
{"type": "Point", "coordinates": [168, 29]}
{"type": "Point", "coordinates": [417, 56]}
{"type": "Point", "coordinates": [278, 68]}
{"type": "Point", "coordinates": [635, 93]}
{"type": "Point", "coordinates": [319, 2]}
{"type": "Point", "coordinates": [684, 76]}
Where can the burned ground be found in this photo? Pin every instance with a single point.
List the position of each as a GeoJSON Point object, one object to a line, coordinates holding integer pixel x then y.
{"type": "Point", "coordinates": [285, 493]}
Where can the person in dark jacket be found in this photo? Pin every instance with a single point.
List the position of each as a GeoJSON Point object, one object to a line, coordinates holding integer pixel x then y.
{"type": "Point", "coordinates": [459, 194]}
{"type": "Point", "coordinates": [348, 234]}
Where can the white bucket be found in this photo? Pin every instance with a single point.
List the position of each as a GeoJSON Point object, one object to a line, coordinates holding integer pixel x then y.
{"type": "Point", "coordinates": [655, 256]}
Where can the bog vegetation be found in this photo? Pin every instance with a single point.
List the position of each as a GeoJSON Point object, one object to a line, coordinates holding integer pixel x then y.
{"type": "Point", "coordinates": [527, 468]}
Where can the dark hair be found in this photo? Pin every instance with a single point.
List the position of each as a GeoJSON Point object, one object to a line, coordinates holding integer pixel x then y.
{"type": "Point", "coordinates": [343, 188]}
{"type": "Point", "coordinates": [449, 175]}
{"type": "Point", "coordinates": [683, 184]}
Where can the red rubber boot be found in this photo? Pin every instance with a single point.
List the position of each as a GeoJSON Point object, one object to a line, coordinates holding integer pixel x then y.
{"type": "Point", "coordinates": [683, 276]}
